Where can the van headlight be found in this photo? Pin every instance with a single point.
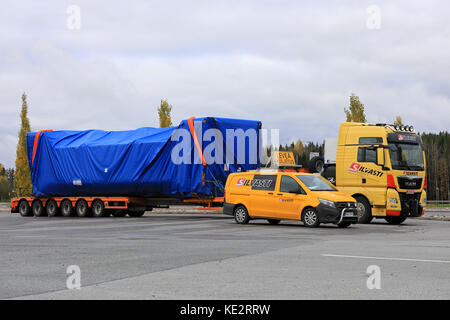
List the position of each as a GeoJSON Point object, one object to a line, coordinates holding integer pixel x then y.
{"type": "Point", "coordinates": [327, 203]}
{"type": "Point", "coordinates": [393, 200]}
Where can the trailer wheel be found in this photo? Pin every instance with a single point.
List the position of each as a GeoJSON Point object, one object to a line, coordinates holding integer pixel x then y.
{"type": "Point", "coordinates": [98, 208]}
{"type": "Point", "coordinates": [66, 208]}
{"type": "Point", "coordinates": [82, 208]}
{"type": "Point", "coordinates": [119, 213]}
{"type": "Point", "coordinates": [37, 208]}
{"type": "Point", "coordinates": [51, 207]}
{"type": "Point", "coordinates": [136, 214]}
{"type": "Point", "coordinates": [24, 208]}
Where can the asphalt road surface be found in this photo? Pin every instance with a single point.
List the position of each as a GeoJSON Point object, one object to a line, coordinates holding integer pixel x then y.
{"type": "Point", "coordinates": [209, 256]}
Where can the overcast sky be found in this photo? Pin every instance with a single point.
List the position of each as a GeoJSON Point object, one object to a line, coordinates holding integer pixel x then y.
{"type": "Point", "coordinates": [290, 64]}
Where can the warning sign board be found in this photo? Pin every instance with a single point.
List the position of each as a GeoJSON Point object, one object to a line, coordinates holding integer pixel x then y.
{"type": "Point", "coordinates": [284, 158]}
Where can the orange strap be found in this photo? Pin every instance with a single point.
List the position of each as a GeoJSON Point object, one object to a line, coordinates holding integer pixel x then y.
{"type": "Point", "coordinates": [36, 140]}
{"type": "Point", "coordinates": [194, 136]}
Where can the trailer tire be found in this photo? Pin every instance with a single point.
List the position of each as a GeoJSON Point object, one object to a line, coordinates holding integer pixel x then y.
{"type": "Point", "coordinates": [82, 208]}
{"type": "Point", "coordinates": [37, 208]}
{"type": "Point", "coordinates": [66, 208]}
{"type": "Point", "coordinates": [330, 174]}
{"type": "Point", "coordinates": [316, 165]}
{"type": "Point", "coordinates": [98, 208]}
{"type": "Point", "coordinates": [24, 208]}
{"type": "Point", "coordinates": [364, 210]}
{"type": "Point", "coordinates": [51, 207]}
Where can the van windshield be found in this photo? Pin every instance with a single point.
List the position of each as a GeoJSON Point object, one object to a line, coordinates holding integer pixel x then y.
{"type": "Point", "coordinates": [316, 183]}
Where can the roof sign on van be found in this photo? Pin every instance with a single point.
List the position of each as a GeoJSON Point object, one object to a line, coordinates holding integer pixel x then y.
{"type": "Point", "coordinates": [284, 158]}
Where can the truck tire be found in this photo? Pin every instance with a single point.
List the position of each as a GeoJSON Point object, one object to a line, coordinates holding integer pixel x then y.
{"type": "Point", "coordinates": [364, 210]}
{"type": "Point", "coordinates": [330, 174]}
{"type": "Point", "coordinates": [273, 221]}
{"type": "Point", "coordinates": [395, 220]}
{"type": "Point", "coordinates": [24, 209]}
{"type": "Point", "coordinates": [136, 214]}
{"type": "Point", "coordinates": [66, 208]}
{"type": "Point", "coordinates": [98, 208]}
{"type": "Point", "coordinates": [51, 207]}
{"type": "Point", "coordinates": [310, 218]}
{"type": "Point", "coordinates": [241, 215]}
{"type": "Point", "coordinates": [37, 208]}
{"type": "Point", "coordinates": [82, 209]}
{"type": "Point", "coordinates": [316, 165]}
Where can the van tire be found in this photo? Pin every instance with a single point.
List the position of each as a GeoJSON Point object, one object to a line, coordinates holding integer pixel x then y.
{"type": "Point", "coordinates": [364, 210]}
{"type": "Point", "coordinates": [273, 221]}
{"type": "Point", "coordinates": [310, 218]}
{"type": "Point", "coordinates": [241, 215]}
{"type": "Point", "coordinates": [395, 220]}
{"type": "Point", "coordinates": [316, 165]}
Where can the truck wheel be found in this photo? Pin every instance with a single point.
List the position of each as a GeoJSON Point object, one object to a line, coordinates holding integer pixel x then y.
{"type": "Point", "coordinates": [344, 224]}
{"type": "Point", "coordinates": [82, 208]}
{"type": "Point", "coordinates": [51, 207]}
{"type": "Point", "coordinates": [37, 208]}
{"type": "Point", "coordinates": [136, 214]}
{"type": "Point", "coordinates": [119, 213]}
{"type": "Point", "coordinates": [24, 208]}
{"type": "Point", "coordinates": [310, 218]}
{"type": "Point", "coordinates": [273, 221]}
{"type": "Point", "coordinates": [364, 210]}
{"type": "Point", "coordinates": [66, 208]}
{"type": "Point", "coordinates": [395, 220]}
{"type": "Point", "coordinates": [316, 165]}
{"type": "Point", "coordinates": [241, 215]}
{"type": "Point", "coordinates": [330, 174]}
{"type": "Point", "coordinates": [98, 208]}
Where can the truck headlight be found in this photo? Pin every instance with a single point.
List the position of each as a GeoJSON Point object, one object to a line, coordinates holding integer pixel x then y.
{"type": "Point", "coordinates": [393, 200]}
{"type": "Point", "coordinates": [327, 203]}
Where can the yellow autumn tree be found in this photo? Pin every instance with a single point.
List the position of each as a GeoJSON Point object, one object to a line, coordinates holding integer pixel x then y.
{"type": "Point", "coordinates": [165, 119]}
{"type": "Point", "coordinates": [355, 112]}
{"type": "Point", "coordinates": [398, 121]}
{"type": "Point", "coordinates": [22, 177]}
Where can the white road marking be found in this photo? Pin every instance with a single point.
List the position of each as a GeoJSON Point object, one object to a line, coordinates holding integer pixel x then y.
{"type": "Point", "coordinates": [384, 258]}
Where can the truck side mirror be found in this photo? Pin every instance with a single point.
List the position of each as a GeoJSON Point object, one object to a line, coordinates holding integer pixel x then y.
{"type": "Point", "coordinates": [380, 158]}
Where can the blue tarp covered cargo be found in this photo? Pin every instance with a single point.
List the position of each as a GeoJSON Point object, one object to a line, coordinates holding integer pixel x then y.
{"type": "Point", "coordinates": [141, 162]}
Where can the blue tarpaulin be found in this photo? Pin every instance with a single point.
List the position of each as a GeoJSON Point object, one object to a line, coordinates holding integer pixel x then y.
{"type": "Point", "coordinates": [140, 162]}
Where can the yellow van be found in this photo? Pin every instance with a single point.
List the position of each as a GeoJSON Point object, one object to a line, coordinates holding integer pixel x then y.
{"type": "Point", "coordinates": [279, 196]}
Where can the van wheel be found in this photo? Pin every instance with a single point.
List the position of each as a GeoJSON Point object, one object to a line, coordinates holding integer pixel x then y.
{"type": "Point", "coordinates": [310, 218]}
{"type": "Point", "coordinates": [51, 207]}
{"type": "Point", "coordinates": [66, 208]}
{"type": "Point", "coordinates": [395, 220]}
{"type": "Point", "coordinates": [364, 210]}
{"type": "Point", "coordinates": [37, 208]}
{"type": "Point", "coordinates": [24, 208]}
{"type": "Point", "coordinates": [344, 224]}
{"type": "Point", "coordinates": [241, 215]}
{"type": "Point", "coordinates": [273, 221]}
{"type": "Point", "coordinates": [82, 208]}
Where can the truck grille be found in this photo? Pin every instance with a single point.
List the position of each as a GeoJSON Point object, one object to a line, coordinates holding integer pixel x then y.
{"type": "Point", "coordinates": [411, 183]}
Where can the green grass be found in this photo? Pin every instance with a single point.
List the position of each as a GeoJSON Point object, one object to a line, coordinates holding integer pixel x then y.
{"type": "Point", "coordinates": [438, 205]}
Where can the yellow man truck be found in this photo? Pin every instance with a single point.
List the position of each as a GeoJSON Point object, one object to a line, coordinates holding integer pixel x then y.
{"type": "Point", "coordinates": [382, 166]}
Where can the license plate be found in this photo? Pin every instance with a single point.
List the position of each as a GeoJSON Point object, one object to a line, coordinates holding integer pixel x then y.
{"type": "Point", "coordinates": [409, 191]}
{"type": "Point", "coordinates": [348, 214]}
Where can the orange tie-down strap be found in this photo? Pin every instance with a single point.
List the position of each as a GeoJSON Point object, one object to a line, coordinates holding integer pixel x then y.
{"type": "Point", "coordinates": [36, 140]}
{"type": "Point", "coordinates": [194, 136]}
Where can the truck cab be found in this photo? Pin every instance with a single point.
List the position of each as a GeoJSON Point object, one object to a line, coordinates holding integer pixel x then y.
{"type": "Point", "coordinates": [382, 166]}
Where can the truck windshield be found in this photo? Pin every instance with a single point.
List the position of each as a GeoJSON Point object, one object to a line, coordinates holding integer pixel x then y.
{"type": "Point", "coordinates": [406, 156]}
{"type": "Point", "coordinates": [316, 183]}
